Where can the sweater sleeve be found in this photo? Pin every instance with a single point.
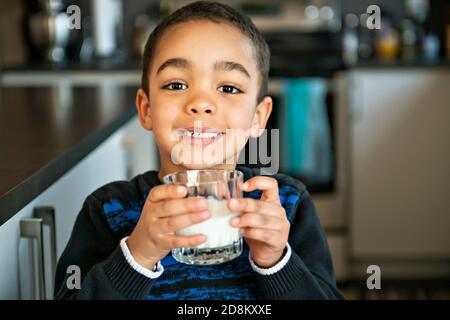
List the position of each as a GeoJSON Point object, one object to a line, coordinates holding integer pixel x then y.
{"type": "Point", "coordinates": [93, 248]}
{"type": "Point", "coordinates": [309, 273]}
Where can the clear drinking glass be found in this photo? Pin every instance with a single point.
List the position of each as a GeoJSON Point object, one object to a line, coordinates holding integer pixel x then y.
{"type": "Point", "coordinates": [224, 242]}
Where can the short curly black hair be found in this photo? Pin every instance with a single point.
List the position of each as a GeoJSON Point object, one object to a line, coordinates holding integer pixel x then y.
{"type": "Point", "coordinates": [215, 12]}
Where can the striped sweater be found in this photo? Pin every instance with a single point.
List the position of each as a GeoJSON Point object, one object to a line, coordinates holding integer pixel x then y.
{"type": "Point", "coordinates": [111, 213]}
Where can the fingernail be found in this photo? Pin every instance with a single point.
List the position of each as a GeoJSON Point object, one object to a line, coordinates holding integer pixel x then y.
{"type": "Point", "coordinates": [235, 221]}
{"type": "Point", "coordinates": [234, 203]}
{"type": "Point", "coordinates": [204, 214]}
{"type": "Point", "coordinates": [245, 185]}
{"type": "Point", "coordinates": [180, 189]}
{"type": "Point", "coordinates": [201, 203]}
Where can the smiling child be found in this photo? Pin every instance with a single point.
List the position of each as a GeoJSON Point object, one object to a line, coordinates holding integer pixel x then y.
{"type": "Point", "coordinates": [204, 88]}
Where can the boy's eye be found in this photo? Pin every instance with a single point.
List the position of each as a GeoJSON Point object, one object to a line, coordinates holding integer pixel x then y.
{"type": "Point", "coordinates": [229, 89]}
{"type": "Point", "coordinates": [175, 86]}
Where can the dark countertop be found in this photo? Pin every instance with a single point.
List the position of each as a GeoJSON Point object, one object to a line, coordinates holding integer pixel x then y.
{"type": "Point", "coordinates": [401, 63]}
{"type": "Point", "coordinates": [280, 66]}
{"type": "Point", "coordinates": [46, 131]}
{"type": "Point", "coordinates": [96, 65]}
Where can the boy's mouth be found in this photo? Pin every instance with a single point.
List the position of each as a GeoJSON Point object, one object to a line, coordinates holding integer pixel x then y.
{"type": "Point", "coordinates": [200, 135]}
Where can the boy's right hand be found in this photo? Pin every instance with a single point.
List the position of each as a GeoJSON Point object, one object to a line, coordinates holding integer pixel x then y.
{"type": "Point", "coordinates": [166, 211]}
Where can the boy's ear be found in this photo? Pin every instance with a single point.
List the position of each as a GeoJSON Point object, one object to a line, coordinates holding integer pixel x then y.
{"type": "Point", "coordinates": [262, 113]}
{"type": "Point", "coordinates": [143, 109]}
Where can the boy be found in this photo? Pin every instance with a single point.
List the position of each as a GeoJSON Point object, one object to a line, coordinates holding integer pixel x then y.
{"type": "Point", "coordinates": [205, 68]}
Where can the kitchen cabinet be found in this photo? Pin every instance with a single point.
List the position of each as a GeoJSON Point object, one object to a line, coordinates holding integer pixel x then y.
{"type": "Point", "coordinates": [104, 164]}
{"type": "Point", "coordinates": [400, 173]}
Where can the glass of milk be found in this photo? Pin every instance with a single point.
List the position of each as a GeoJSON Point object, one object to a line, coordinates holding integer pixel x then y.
{"type": "Point", "coordinates": [224, 242]}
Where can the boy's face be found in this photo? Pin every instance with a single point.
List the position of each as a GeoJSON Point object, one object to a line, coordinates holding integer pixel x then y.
{"type": "Point", "coordinates": [203, 77]}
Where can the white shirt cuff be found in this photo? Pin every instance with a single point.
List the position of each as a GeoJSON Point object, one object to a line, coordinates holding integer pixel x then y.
{"type": "Point", "coordinates": [152, 274]}
{"type": "Point", "coordinates": [275, 268]}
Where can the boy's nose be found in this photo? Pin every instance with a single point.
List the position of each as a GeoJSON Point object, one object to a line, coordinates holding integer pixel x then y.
{"type": "Point", "coordinates": [201, 108]}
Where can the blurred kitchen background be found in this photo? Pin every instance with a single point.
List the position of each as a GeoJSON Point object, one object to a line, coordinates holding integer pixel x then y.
{"type": "Point", "coordinates": [364, 118]}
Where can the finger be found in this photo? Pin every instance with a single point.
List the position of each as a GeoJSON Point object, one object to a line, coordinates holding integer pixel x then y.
{"type": "Point", "coordinates": [255, 206]}
{"type": "Point", "coordinates": [244, 205]}
{"type": "Point", "coordinates": [268, 185]}
{"type": "Point", "coordinates": [167, 191]}
{"type": "Point", "coordinates": [267, 236]}
{"type": "Point", "coordinates": [175, 223]}
{"type": "Point", "coordinates": [254, 220]}
{"type": "Point", "coordinates": [174, 241]}
{"type": "Point", "coordinates": [172, 207]}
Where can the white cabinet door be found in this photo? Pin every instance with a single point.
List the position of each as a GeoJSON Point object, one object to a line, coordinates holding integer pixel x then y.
{"type": "Point", "coordinates": [400, 172]}
{"type": "Point", "coordinates": [105, 164]}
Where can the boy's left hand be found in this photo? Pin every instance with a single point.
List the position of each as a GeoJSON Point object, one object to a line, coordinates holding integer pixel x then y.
{"type": "Point", "coordinates": [263, 223]}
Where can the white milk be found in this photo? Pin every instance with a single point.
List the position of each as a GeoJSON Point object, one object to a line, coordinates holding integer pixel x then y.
{"type": "Point", "coordinates": [217, 228]}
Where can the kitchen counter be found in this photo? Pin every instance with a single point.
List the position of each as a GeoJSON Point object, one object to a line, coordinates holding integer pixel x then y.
{"type": "Point", "coordinates": [46, 131]}
{"type": "Point", "coordinates": [95, 65]}
{"type": "Point", "coordinates": [401, 63]}
{"type": "Point", "coordinates": [129, 72]}
{"type": "Point", "coordinates": [280, 66]}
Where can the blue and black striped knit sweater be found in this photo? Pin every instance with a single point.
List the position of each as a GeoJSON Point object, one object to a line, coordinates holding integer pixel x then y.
{"type": "Point", "coordinates": [111, 213]}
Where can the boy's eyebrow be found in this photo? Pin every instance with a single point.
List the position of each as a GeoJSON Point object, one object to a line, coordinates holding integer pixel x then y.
{"type": "Point", "coordinates": [174, 62]}
{"type": "Point", "coordinates": [230, 66]}
{"type": "Point", "coordinates": [219, 65]}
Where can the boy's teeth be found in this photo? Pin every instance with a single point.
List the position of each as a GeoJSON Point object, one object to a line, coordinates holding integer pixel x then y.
{"type": "Point", "coordinates": [203, 135]}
